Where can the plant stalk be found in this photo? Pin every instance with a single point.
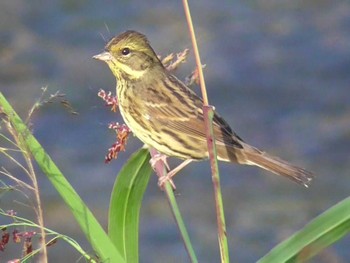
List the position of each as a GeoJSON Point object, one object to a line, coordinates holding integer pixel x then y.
{"type": "Point", "coordinates": [208, 113]}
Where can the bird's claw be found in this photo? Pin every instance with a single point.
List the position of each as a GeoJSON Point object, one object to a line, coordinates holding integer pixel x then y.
{"type": "Point", "coordinates": [166, 178]}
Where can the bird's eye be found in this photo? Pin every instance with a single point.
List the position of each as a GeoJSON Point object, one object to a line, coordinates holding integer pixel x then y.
{"type": "Point", "coordinates": [126, 51]}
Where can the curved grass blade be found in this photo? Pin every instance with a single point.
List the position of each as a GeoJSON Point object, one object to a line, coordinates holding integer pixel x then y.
{"type": "Point", "coordinates": [93, 231]}
{"type": "Point", "coordinates": [320, 233]}
{"type": "Point", "coordinates": [125, 204]}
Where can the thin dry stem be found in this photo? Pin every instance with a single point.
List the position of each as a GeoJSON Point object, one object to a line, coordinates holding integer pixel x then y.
{"type": "Point", "coordinates": [196, 53]}
{"type": "Point", "coordinates": [57, 96]}
{"type": "Point", "coordinates": [15, 161]}
{"type": "Point", "coordinates": [35, 188]}
{"type": "Point", "coordinates": [38, 208]}
{"type": "Point", "coordinates": [19, 182]}
{"type": "Point", "coordinates": [208, 115]}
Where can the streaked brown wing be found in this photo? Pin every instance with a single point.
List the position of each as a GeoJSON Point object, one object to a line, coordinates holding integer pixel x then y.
{"type": "Point", "coordinates": [180, 109]}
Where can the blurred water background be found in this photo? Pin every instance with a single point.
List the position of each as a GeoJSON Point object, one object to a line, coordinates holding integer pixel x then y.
{"type": "Point", "coordinates": [278, 71]}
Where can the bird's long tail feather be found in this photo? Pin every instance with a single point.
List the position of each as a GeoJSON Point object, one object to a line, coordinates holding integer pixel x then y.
{"type": "Point", "coordinates": [275, 165]}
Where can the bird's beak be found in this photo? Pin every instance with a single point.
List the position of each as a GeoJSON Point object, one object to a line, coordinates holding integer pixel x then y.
{"type": "Point", "coordinates": [104, 56]}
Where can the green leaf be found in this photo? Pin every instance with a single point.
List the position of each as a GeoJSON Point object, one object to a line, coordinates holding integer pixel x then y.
{"type": "Point", "coordinates": [125, 204]}
{"type": "Point", "coordinates": [320, 233]}
{"type": "Point", "coordinates": [93, 231]}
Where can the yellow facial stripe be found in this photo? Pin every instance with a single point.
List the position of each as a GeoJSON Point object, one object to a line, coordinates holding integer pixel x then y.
{"type": "Point", "coordinates": [135, 74]}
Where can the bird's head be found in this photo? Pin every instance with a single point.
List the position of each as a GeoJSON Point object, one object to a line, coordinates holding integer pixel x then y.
{"type": "Point", "coordinates": [129, 55]}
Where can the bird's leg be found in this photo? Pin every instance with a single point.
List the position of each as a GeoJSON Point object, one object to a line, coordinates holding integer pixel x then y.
{"type": "Point", "coordinates": [170, 173]}
{"type": "Point", "coordinates": [159, 157]}
{"type": "Point", "coordinates": [163, 179]}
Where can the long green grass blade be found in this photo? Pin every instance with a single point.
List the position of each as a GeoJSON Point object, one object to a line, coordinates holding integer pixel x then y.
{"type": "Point", "coordinates": [320, 233]}
{"type": "Point", "coordinates": [97, 237]}
{"type": "Point", "coordinates": [125, 204]}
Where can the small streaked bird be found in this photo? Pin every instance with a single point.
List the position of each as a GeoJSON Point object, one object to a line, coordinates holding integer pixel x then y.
{"type": "Point", "coordinates": [167, 115]}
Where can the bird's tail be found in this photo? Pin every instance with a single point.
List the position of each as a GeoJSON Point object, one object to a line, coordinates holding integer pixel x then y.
{"type": "Point", "coordinates": [252, 156]}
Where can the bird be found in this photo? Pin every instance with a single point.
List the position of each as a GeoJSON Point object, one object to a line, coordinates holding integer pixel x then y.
{"type": "Point", "coordinates": [167, 115]}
